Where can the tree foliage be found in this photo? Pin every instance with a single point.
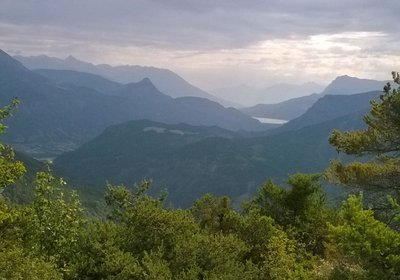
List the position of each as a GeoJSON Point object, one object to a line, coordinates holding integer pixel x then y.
{"type": "Point", "coordinates": [10, 169]}
{"type": "Point", "coordinates": [366, 240]}
{"type": "Point", "coordinates": [380, 139]}
{"type": "Point", "coordinates": [301, 209]}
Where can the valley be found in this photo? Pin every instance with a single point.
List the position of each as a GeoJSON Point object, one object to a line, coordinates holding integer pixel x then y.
{"type": "Point", "coordinates": [95, 130]}
{"type": "Point", "coordinates": [199, 140]}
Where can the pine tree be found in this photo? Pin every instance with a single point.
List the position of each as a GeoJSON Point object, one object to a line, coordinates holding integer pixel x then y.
{"type": "Point", "coordinates": [380, 141]}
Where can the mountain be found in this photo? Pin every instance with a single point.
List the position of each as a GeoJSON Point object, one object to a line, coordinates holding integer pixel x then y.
{"type": "Point", "coordinates": [190, 161]}
{"type": "Point", "coordinates": [80, 79]}
{"type": "Point", "coordinates": [165, 80]}
{"type": "Point", "coordinates": [351, 85]}
{"type": "Point", "coordinates": [146, 149]}
{"type": "Point", "coordinates": [250, 96]}
{"type": "Point", "coordinates": [202, 111]}
{"type": "Point", "coordinates": [51, 117]}
{"type": "Point", "coordinates": [293, 108]}
{"type": "Point", "coordinates": [286, 110]}
{"type": "Point", "coordinates": [54, 118]}
{"type": "Point", "coordinates": [331, 107]}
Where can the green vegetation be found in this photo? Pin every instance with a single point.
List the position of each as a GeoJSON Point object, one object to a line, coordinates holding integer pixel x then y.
{"type": "Point", "coordinates": [381, 138]}
{"type": "Point", "coordinates": [199, 160]}
{"type": "Point", "coordinates": [279, 233]}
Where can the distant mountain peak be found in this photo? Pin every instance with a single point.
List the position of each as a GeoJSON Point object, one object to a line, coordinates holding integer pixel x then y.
{"type": "Point", "coordinates": [351, 78]}
{"type": "Point", "coordinates": [71, 58]}
{"type": "Point", "coordinates": [346, 84]}
{"type": "Point", "coordinates": [143, 86]}
{"type": "Point", "coordinates": [146, 81]}
{"type": "Point", "coordinates": [346, 77]}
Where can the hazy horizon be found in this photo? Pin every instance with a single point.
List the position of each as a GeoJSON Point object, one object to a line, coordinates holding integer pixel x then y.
{"type": "Point", "coordinates": [213, 44]}
{"type": "Point", "coordinates": [233, 85]}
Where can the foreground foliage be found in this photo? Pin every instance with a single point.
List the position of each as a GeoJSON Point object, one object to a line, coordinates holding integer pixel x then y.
{"type": "Point", "coordinates": [282, 234]}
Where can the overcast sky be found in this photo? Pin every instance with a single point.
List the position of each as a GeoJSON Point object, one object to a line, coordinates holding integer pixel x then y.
{"type": "Point", "coordinates": [214, 43]}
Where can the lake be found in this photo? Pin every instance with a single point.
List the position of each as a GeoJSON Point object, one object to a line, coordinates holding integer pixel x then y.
{"type": "Point", "coordinates": [271, 121]}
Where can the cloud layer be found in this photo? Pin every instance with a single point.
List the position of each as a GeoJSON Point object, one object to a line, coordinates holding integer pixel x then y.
{"type": "Point", "coordinates": [214, 43]}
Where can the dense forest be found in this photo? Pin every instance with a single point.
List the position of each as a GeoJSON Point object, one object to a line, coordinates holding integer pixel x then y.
{"type": "Point", "coordinates": [277, 234]}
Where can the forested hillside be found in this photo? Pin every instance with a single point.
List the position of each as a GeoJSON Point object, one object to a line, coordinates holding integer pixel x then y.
{"type": "Point", "coordinates": [189, 161]}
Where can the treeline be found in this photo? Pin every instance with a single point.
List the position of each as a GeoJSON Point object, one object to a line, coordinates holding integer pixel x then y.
{"type": "Point", "coordinates": [280, 234]}
{"type": "Point", "coordinates": [277, 234]}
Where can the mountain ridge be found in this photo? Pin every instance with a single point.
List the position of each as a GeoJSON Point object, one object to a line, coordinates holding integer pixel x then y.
{"type": "Point", "coordinates": [52, 118]}
{"type": "Point", "coordinates": [293, 108]}
{"type": "Point", "coordinates": [329, 107]}
{"type": "Point", "coordinates": [346, 84]}
{"type": "Point", "coordinates": [165, 80]}
{"type": "Point", "coordinates": [191, 164]}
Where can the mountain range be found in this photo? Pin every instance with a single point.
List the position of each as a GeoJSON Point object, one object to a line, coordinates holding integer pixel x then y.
{"type": "Point", "coordinates": [330, 107]}
{"type": "Point", "coordinates": [55, 117]}
{"type": "Point", "coordinates": [269, 102]}
{"type": "Point", "coordinates": [286, 110]}
{"type": "Point", "coordinates": [165, 80]}
{"type": "Point", "coordinates": [293, 108]}
{"type": "Point", "coordinates": [345, 85]}
{"type": "Point", "coordinates": [101, 130]}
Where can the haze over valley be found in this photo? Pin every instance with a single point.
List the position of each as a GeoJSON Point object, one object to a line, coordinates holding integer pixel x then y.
{"type": "Point", "coordinates": [98, 129]}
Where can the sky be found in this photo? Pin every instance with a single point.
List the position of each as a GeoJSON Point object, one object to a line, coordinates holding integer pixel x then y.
{"type": "Point", "coordinates": [214, 43]}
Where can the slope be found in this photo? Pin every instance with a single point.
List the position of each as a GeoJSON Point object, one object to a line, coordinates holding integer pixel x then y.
{"type": "Point", "coordinates": [293, 108]}
{"type": "Point", "coordinates": [286, 110]}
{"type": "Point", "coordinates": [351, 85]}
{"type": "Point", "coordinates": [330, 107]}
{"type": "Point", "coordinates": [54, 118]}
{"type": "Point", "coordinates": [189, 161]}
{"type": "Point", "coordinates": [165, 80]}
{"type": "Point", "coordinates": [80, 79]}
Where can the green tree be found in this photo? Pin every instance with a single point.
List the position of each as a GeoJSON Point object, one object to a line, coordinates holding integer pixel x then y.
{"type": "Point", "coordinates": [301, 209]}
{"type": "Point", "coordinates": [17, 261]}
{"type": "Point", "coordinates": [363, 239]}
{"type": "Point", "coordinates": [10, 169]}
{"type": "Point", "coordinates": [215, 214]}
{"type": "Point", "coordinates": [57, 222]}
{"type": "Point", "coordinates": [380, 139]}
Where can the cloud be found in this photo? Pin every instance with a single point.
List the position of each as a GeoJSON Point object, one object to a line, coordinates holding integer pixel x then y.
{"type": "Point", "coordinates": [206, 24]}
{"type": "Point", "coordinates": [238, 39]}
